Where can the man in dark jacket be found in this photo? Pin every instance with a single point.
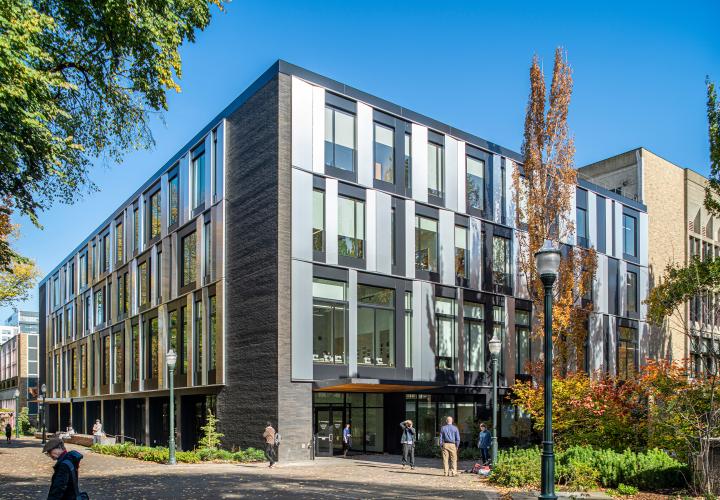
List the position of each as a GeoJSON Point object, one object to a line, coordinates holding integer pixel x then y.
{"type": "Point", "coordinates": [407, 440]}
{"type": "Point", "coordinates": [64, 484]}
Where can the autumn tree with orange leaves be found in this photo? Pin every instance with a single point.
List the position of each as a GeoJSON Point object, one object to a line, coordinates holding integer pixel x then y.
{"type": "Point", "coordinates": [544, 189]}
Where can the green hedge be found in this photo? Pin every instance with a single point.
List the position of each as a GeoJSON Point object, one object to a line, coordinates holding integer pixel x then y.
{"type": "Point", "coordinates": [584, 467]}
{"type": "Point", "coordinates": [162, 455]}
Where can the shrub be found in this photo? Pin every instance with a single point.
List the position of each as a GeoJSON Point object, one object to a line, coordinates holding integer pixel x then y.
{"type": "Point", "coordinates": [624, 489]}
{"type": "Point", "coordinates": [584, 467]}
{"type": "Point", "coordinates": [427, 448]}
{"type": "Point", "coordinates": [211, 438]}
{"type": "Point", "coordinates": [24, 423]}
{"type": "Point", "coordinates": [162, 455]}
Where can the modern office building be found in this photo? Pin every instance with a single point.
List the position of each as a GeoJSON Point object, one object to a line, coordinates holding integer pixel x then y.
{"type": "Point", "coordinates": [318, 256]}
{"type": "Point", "coordinates": [680, 228]}
{"type": "Point", "coordinates": [7, 332]}
{"type": "Point", "coordinates": [25, 321]}
{"type": "Point", "coordinates": [19, 366]}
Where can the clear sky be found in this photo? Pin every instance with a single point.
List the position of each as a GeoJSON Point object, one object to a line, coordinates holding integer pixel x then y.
{"type": "Point", "coordinates": [639, 71]}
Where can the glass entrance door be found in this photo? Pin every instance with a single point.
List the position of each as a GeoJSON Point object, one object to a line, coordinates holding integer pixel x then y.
{"type": "Point", "coordinates": [331, 420]}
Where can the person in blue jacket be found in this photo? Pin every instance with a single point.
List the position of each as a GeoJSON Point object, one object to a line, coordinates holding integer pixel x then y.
{"type": "Point", "coordinates": [347, 439]}
{"type": "Point", "coordinates": [484, 442]}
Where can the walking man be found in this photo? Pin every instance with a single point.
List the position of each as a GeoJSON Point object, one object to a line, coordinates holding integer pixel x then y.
{"type": "Point", "coordinates": [97, 432]}
{"type": "Point", "coordinates": [8, 431]}
{"type": "Point", "coordinates": [408, 443]}
{"type": "Point", "coordinates": [484, 441]}
{"type": "Point", "coordinates": [449, 442]}
{"type": "Point", "coordinates": [269, 436]}
{"type": "Point", "coordinates": [347, 440]}
{"type": "Point", "coordinates": [64, 483]}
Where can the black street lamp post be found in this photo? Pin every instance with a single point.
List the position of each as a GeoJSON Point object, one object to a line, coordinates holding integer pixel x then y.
{"type": "Point", "coordinates": [17, 413]}
{"type": "Point", "coordinates": [495, 346]}
{"type": "Point", "coordinates": [171, 359]}
{"type": "Point", "coordinates": [548, 262]}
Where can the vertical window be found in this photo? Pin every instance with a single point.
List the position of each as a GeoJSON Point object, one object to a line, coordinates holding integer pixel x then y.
{"type": "Point", "coordinates": [119, 242]}
{"type": "Point", "coordinates": [207, 237]}
{"type": "Point", "coordinates": [173, 191]}
{"type": "Point", "coordinates": [173, 333]}
{"type": "Point", "coordinates": [426, 244]}
{"type": "Point", "coordinates": [581, 228]}
{"type": "Point", "coordinates": [88, 312]}
{"type": "Point", "coordinates": [189, 259]}
{"type": "Point", "coordinates": [436, 170]}
{"type": "Point", "coordinates": [184, 333]}
{"type": "Point", "coordinates": [501, 261]}
{"type": "Point", "coordinates": [144, 283]}
{"type": "Point", "coordinates": [499, 332]}
{"type": "Point", "coordinates": [212, 333]}
{"type": "Point", "coordinates": [106, 253]}
{"type": "Point", "coordinates": [351, 227]}
{"type": "Point", "coordinates": [384, 153]}
{"type": "Point", "coordinates": [73, 369]}
{"type": "Point", "coordinates": [158, 274]}
{"type": "Point", "coordinates": [119, 338]}
{"type": "Point", "coordinates": [445, 348]}
{"type": "Point", "coordinates": [198, 341]}
{"type": "Point", "coordinates": [198, 180]}
{"type": "Point", "coordinates": [106, 360]}
{"type": "Point", "coordinates": [83, 270]}
{"type": "Point", "coordinates": [318, 221]}
{"type": "Point", "coordinates": [136, 230]}
{"type": "Point", "coordinates": [121, 294]}
{"type": "Point", "coordinates": [329, 321]}
{"type": "Point", "coordinates": [152, 351]}
{"type": "Point", "coordinates": [629, 235]}
{"type": "Point", "coordinates": [215, 173]}
{"type": "Point", "coordinates": [155, 215]}
{"type": "Point", "coordinates": [135, 348]}
{"type": "Point", "coordinates": [475, 183]}
{"type": "Point", "coordinates": [522, 332]}
{"type": "Point", "coordinates": [339, 139]}
{"type": "Point", "coordinates": [408, 163]}
{"type": "Point", "coordinates": [627, 352]}
{"type": "Point", "coordinates": [460, 252]}
{"type": "Point", "coordinates": [126, 293]}
{"type": "Point", "coordinates": [95, 266]}
{"type": "Point", "coordinates": [376, 326]}
{"type": "Point", "coordinates": [83, 366]}
{"type": "Point", "coordinates": [632, 292]}
{"type": "Point", "coordinates": [99, 307]}
{"type": "Point", "coordinates": [71, 278]}
{"type": "Point", "coordinates": [408, 329]}
{"type": "Point", "coordinates": [474, 315]}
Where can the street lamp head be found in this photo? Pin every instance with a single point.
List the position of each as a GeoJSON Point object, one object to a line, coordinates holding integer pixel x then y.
{"type": "Point", "coordinates": [17, 393]}
{"type": "Point", "coordinates": [495, 345]}
{"type": "Point", "coordinates": [43, 389]}
{"type": "Point", "coordinates": [171, 359]}
{"type": "Point", "coordinates": [548, 260]}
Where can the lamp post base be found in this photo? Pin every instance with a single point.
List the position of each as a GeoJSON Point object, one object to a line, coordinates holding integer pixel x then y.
{"type": "Point", "coordinates": [547, 481]}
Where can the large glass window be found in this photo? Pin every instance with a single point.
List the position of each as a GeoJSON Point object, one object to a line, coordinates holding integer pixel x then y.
{"type": "Point", "coordinates": [475, 183]}
{"type": "Point", "coordinates": [318, 221]}
{"type": "Point", "coordinates": [522, 332]}
{"type": "Point", "coordinates": [136, 230]}
{"type": "Point", "coordinates": [436, 170]}
{"type": "Point", "coordinates": [119, 242]}
{"type": "Point", "coordinates": [144, 283]}
{"type": "Point", "coordinates": [426, 244]}
{"type": "Point", "coordinates": [83, 366]}
{"type": "Point", "coordinates": [408, 329]}
{"type": "Point", "coordinates": [173, 333]}
{"type": "Point", "coordinates": [446, 341]}
{"type": "Point", "coordinates": [83, 269]}
{"type": "Point", "coordinates": [155, 215]}
{"type": "Point", "coordinates": [212, 333]}
{"type": "Point", "coordinates": [384, 153]}
{"type": "Point", "coordinates": [183, 340]}
{"type": "Point", "coordinates": [376, 326]}
{"type": "Point", "coordinates": [135, 348]}
{"type": "Point", "coordinates": [339, 139]}
{"type": "Point", "coordinates": [474, 315]}
{"type": "Point", "coordinates": [329, 321]}
{"type": "Point", "coordinates": [152, 349]}
{"type": "Point", "coordinates": [198, 359]}
{"type": "Point", "coordinates": [627, 352]}
{"type": "Point", "coordinates": [106, 253]}
{"type": "Point", "coordinates": [119, 357]}
{"type": "Point", "coordinates": [189, 259]}
{"type": "Point", "coordinates": [351, 227]}
{"type": "Point", "coordinates": [501, 261]}
{"type": "Point", "coordinates": [198, 180]}
{"type": "Point", "coordinates": [461, 251]}
{"type": "Point", "coordinates": [632, 292]}
{"type": "Point", "coordinates": [629, 235]}
{"type": "Point", "coordinates": [207, 251]}
{"type": "Point", "coordinates": [173, 198]}
{"type": "Point", "coordinates": [581, 228]}
{"type": "Point", "coordinates": [99, 307]}
{"type": "Point", "coordinates": [106, 360]}
{"type": "Point", "coordinates": [408, 162]}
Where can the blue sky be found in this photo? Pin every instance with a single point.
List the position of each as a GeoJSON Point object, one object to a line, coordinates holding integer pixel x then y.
{"type": "Point", "coordinates": [639, 71]}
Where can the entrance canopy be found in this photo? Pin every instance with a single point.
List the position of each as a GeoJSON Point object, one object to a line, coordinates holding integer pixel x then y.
{"type": "Point", "coordinates": [372, 385]}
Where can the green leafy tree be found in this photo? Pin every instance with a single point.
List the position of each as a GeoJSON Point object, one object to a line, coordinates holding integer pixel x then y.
{"type": "Point", "coordinates": [79, 80]}
{"type": "Point", "coordinates": [712, 191]}
{"type": "Point", "coordinates": [211, 438]}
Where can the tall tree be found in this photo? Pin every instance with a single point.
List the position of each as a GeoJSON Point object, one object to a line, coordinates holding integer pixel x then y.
{"type": "Point", "coordinates": [79, 79]}
{"type": "Point", "coordinates": [543, 197]}
{"type": "Point", "coordinates": [712, 190]}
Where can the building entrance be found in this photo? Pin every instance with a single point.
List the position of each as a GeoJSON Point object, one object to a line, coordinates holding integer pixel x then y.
{"type": "Point", "coordinates": [330, 420]}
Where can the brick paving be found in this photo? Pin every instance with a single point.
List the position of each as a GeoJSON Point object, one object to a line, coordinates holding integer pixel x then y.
{"type": "Point", "coordinates": [25, 473]}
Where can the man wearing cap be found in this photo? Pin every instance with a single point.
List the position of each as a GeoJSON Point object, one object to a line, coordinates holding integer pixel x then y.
{"type": "Point", "coordinates": [64, 484]}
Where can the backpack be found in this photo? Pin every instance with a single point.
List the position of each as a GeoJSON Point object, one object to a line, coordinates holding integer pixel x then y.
{"type": "Point", "coordinates": [80, 495]}
{"type": "Point", "coordinates": [278, 438]}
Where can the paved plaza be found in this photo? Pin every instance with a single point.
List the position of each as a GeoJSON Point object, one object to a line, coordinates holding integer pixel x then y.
{"type": "Point", "coordinates": [25, 473]}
